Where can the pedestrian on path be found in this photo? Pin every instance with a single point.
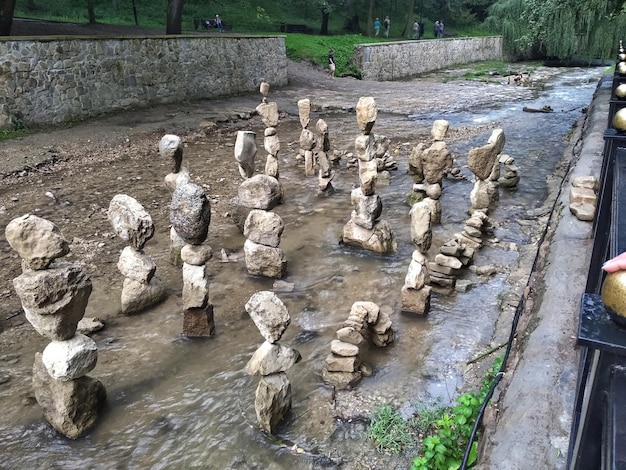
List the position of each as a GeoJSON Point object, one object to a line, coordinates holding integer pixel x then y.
{"type": "Point", "coordinates": [387, 25]}
{"type": "Point", "coordinates": [331, 63]}
{"type": "Point", "coordinates": [218, 24]}
{"type": "Point", "coordinates": [376, 27]}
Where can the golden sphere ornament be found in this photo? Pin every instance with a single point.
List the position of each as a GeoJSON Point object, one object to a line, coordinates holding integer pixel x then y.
{"type": "Point", "coordinates": [614, 296]}
{"type": "Point", "coordinates": [619, 120]}
{"type": "Point", "coordinates": [620, 91]}
{"type": "Point", "coordinates": [621, 68]}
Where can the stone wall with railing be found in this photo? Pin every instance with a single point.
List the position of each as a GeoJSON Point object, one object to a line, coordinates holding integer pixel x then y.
{"type": "Point", "coordinates": [398, 60]}
{"type": "Point", "coordinates": [53, 80]}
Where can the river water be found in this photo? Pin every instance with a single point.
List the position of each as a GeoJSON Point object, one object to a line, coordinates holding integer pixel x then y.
{"type": "Point", "coordinates": [175, 403]}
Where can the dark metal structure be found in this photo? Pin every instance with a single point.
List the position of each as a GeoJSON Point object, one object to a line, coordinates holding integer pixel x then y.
{"type": "Point", "coordinates": [598, 435]}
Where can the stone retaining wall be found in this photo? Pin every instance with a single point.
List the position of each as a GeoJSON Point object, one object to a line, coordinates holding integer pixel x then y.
{"type": "Point", "coordinates": [393, 61]}
{"type": "Point", "coordinates": [54, 80]}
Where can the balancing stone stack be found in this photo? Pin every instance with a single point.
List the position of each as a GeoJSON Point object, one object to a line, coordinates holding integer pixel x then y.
{"type": "Point", "coordinates": [54, 296]}
{"type": "Point", "coordinates": [271, 360]}
{"type": "Point", "coordinates": [130, 221]}
{"type": "Point", "coordinates": [171, 148]}
{"type": "Point", "coordinates": [269, 114]}
{"type": "Point", "coordinates": [190, 215]}
{"type": "Point", "coordinates": [326, 175]}
{"type": "Point", "coordinates": [364, 230]}
{"type": "Point", "coordinates": [307, 138]}
{"type": "Point", "coordinates": [484, 162]}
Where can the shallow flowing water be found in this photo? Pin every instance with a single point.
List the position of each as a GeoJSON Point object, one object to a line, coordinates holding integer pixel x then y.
{"type": "Point", "coordinates": [175, 403]}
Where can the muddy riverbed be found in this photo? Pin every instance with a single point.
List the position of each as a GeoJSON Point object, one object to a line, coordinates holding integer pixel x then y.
{"type": "Point", "coordinates": [176, 403]}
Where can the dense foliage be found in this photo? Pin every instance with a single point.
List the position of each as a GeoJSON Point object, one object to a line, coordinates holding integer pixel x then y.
{"type": "Point", "coordinates": [343, 16]}
{"type": "Point", "coordinates": [559, 29]}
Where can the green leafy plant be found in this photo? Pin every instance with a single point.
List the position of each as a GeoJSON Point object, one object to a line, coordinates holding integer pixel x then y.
{"type": "Point", "coordinates": [445, 447]}
{"type": "Point", "coordinates": [390, 432]}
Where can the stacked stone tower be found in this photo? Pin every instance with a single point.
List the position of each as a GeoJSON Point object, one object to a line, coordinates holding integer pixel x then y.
{"type": "Point", "coordinates": [271, 360]}
{"type": "Point", "coordinates": [269, 114]}
{"type": "Point", "coordinates": [130, 221]}
{"type": "Point", "coordinates": [54, 296]}
{"type": "Point", "coordinates": [364, 229]}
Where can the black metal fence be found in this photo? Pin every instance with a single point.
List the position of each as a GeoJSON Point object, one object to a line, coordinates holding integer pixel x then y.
{"type": "Point", "coordinates": [598, 435]}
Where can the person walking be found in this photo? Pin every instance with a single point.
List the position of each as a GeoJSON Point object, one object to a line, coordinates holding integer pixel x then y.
{"type": "Point", "coordinates": [441, 29]}
{"type": "Point", "coordinates": [218, 24]}
{"type": "Point", "coordinates": [416, 30]}
{"type": "Point", "coordinates": [376, 27]}
{"type": "Point", "coordinates": [331, 63]}
{"type": "Point", "coordinates": [436, 29]}
{"type": "Point", "coordinates": [387, 25]}
{"type": "Point", "coordinates": [421, 23]}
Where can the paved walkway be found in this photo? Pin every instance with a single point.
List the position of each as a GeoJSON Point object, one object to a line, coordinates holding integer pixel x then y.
{"type": "Point", "coordinates": [535, 413]}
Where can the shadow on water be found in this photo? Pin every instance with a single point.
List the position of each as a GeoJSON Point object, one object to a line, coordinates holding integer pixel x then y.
{"type": "Point", "coordinates": [176, 403]}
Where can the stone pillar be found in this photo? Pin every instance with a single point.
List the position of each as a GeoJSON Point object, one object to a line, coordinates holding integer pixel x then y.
{"type": "Point", "coordinates": [130, 221]}
{"type": "Point", "coordinates": [190, 215]}
{"type": "Point", "coordinates": [245, 151]}
{"type": "Point", "coordinates": [326, 174]}
{"type": "Point", "coordinates": [485, 164]}
{"type": "Point", "coordinates": [171, 148]}
{"type": "Point", "coordinates": [307, 138]}
{"type": "Point", "coordinates": [269, 114]}
{"type": "Point", "coordinates": [271, 360]}
{"type": "Point", "coordinates": [54, 296]}
{"type": "Point", "coordinates": [364, 230]}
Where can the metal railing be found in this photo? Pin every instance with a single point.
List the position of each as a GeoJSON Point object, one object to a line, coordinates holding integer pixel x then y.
{"type": "Point", "coordinates": [598, 433]}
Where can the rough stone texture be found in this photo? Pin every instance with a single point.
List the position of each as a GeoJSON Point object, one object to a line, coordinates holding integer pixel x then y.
{"type": "Point", "coordinates": [368, 176]}
{"type": "Point", "coordinates": [38, 241]}
{"type": "Point", "coordinates": [436, 162]}
{"type": "Point", "coordinates": [130, 220]}
{"type": "Point", "coordinates": [137, 296]}
{"type": "Point", "coordinates": [70, 407]}
{"type": "Point", "coordinates": [266, 261]}
{"type": "Point", "coordinates": [190, 213]}
{"type": "Point", "coordinates": [344, 349]}
{"type": "Point", "coordinates": [416, 300]}
{"type": "Point", "coordinates": [416, 276]}
{"type": "Point", "coordinates": [196, 255]}
{"type": "Point", "coordinates": [268, 113]}
{"type": "Point", "coordinates": [269, 314]}
{"type": "Point", "coordinates": [195, 286]}
{"type": "Point", "coordinates": [366, 113]}
{"type": "Point", "coordinates": [245, 152]}
{"type": "Point", "coordinates": [88, 80]}
{"type": "Point", "coordinates": [70, 359]}
{"type": "Point", "coordinates": [171, 147]}
{"type": "Point", "coordinates": [136, 265]}
{"type": "Point", "coordinates": [588, 181]}
{"type": "Point", "coordinates": [369, 312]}
{"type": "Point", "coordinates": [54, 299]}
{"type": "Point", "coordinates": [341, 380]}
{"type": "Point", "coordinates": [272, 401]}
{"type": "Point", "coordinates": [581, 195]}
{"type": "Point", "coordinates": [174, 180]}
{"type": "Point", "coordinates": [264, 227]}
{"type": "Point", "coordinates": [421, 229]}
{"type": "Point", "coordinates": [271, 359]}
{"type": "Point", "coordinates": [198, 322]}
{"type": "Point", "coordinates": [365, 147]}
{"type": "Point", "coordinates": [350, 335]}
{"type": "Point", "coordinates": [449, 261]}
{"type": "Point", "coordinates": [439, 129]}
{"type": "Point", "coordinates": [307, 140]}
{"type": "Point", "coordinates": [260, 192]}
{"type": "Point", "coordinates": [585, 212]}
{"type": "Point", "coordinates": [379, 240]}
{"type": "Point", "coordinates": [481, 160]}
{"type": "Point", "coordinates": [271, 143]}
{"type": "Point", "coordinates": [393, 61]}
{"type": "Point", "coordinates": [342, 364]}
{"type": "Point", "coordinates": [367, 209]}
{"type": "Point", "coordinates": [304, 111]}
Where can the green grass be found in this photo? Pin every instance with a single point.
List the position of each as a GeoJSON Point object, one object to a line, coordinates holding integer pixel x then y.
{"type": "Point", "coordinates": [389, 431]}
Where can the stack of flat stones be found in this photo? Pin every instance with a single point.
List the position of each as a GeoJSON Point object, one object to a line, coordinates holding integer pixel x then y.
{"type": "Point", "coordinates": [583, 196]}
{"type": "Point", "coordinates": [271, 360]}
{"type": "Point", "coordinates": [269, 115]}
{"type": "Point", "coordinates": [171, 148]}
{"type": "Point", "coordinates": [484, 162]}
{"type": "Point", "coordinates": [130, 221]}
{"type": "Point", "coordinates": [364, 229]}
{"type": "Point", "coordinates": [384, 161]}
{"type": "Point", "coordinates": [511, 177]}
{"type": "Point", "coordinates": [190, 216]}
{"type": "Point", "coordinates": [54, 296]}
{"type": "Point", "coordinates": [366, 322]}
{"type": "Point", "coordinates": [307, 137]}
{"type": "Point", "coordinates": [326, 174]}
{"type": "Point", "coordinates": [458, 252]}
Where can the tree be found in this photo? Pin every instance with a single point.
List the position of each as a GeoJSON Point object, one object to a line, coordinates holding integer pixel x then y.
{"type": "Point", "coordinates": [174, 17]}
{"type": "Point", "coordinates": [325, 9]}
{"type": "Point", "coordinates": [557, 29]}
{"type": "Point", "coordinates": [91, 14]}
{"type": "Point", "coordinates": [7, 7]}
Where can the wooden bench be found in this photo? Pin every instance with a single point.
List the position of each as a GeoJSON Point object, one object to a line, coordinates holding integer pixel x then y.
{"type": "Point", "coordinates": [295, 28]}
